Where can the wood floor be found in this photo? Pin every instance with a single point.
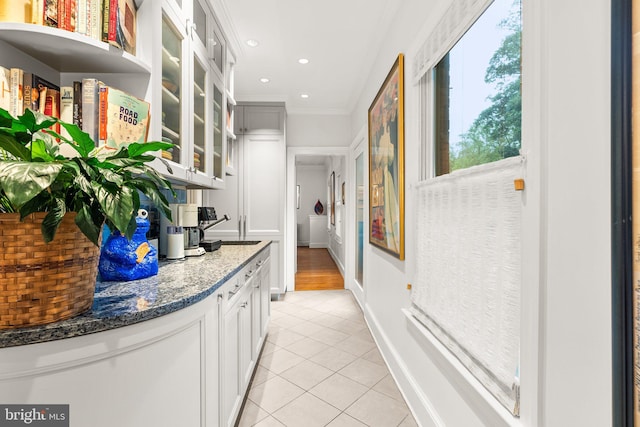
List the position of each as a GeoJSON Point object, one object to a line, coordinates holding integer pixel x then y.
{"type": "Point", "coordinates": [317, 271]}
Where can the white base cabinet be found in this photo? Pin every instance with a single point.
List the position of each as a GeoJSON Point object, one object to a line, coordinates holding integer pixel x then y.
{"type": "Point", "coordinates": [245, 313]}
{"type": "Point", "coordinates": [154, 373]}
{"type": "Point", "coordinates": [318, 234]}
{"type": "Point", "coordinates": [189, 368]}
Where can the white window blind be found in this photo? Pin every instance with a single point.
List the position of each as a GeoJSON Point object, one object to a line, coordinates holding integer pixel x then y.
{"type": "Point", "coordinates": [460, 15]}
{"type": "Point", "coordinates": [468, 272]}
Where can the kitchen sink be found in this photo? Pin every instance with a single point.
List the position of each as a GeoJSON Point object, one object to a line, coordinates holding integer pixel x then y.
{"type": "Point", "coordinates": [240, 242]}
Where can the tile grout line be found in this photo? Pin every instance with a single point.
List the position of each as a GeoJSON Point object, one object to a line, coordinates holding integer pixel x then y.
{"type": "Point", "coordinates": [352, 329]}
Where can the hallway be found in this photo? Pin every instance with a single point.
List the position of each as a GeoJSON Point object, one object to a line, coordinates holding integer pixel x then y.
{"type": "Point", "coordinates": [321, 367]}
{"type": "Point", "coordinates": [316, 270]}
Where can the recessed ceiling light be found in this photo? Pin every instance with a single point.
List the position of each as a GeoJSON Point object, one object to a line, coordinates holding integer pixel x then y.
{"type": "Point", "coordinates": [252, 43]}
{"type": "Point", "coordinates": [265, 80]}
{"type": "Point", "coordinates": [304, 95]}
{"type": "Point", "coordinates": [303, 61]}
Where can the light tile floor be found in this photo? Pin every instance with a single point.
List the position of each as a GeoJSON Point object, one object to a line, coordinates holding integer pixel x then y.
{"type": "Point", "coordinates": [321, 367]}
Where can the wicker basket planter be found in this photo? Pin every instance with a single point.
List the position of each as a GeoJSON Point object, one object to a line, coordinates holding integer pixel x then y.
{"type": "Point", "coordinates": [42, 283]}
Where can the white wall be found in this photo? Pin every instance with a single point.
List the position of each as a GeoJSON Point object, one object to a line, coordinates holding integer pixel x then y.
{"type": "Point", "coordinates": [317, 130]}
{"type": "Point", "coordinates": [566, 333]}
{"type": "Point", "coordinates": [313, 187]}
{"type": "Point", "coordinates": [576, 143]}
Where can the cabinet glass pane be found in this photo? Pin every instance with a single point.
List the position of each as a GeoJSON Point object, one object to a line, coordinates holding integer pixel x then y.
{"type": "Point", "coordinates": [199, 116]}
{"type": "Point", "coordinates": [200, 19]}
{"type": "Point", "coordinates": [217, 132]}
{"type": "Point", "coordinates": [171, 90]}
{"type": "Point", "coordinates": [218, 51]}
{"type": "Point", "coordinates": [231, 153]}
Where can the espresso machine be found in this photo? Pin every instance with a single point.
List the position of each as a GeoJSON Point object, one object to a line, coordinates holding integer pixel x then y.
{"type": "Point", "coordinates": [185, 216]}
{"type": "Point", "coordinates": [207, 218]}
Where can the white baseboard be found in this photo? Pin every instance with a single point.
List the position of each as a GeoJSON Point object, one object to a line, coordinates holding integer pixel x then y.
{"type": "Point", "coordinates": [318, 245]}
{"type": "Point", "coordinates": [421, 408]}
{"type": "Point", "coordinates": [336, 260]}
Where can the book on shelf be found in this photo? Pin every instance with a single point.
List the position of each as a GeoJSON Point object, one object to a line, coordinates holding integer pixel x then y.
{"type": "Point", "coordinates": [77, 104]}
{"type": "Point", "coordinates": [15, 11]}
{"type": "Point", "coordinates": [50, 14]}
{"type": "Point", "coordinates": [48, 99]}
{"type": "Point", "coordinates": [122, 30]}
{"type": "Point", "coordinates": [67, 15]}
{"type": "Point", "coordinates": [108, 8]}
{"type": "Point", "coordinates": [28, 91]}
{"type": "Point", "coordinates": [81, 17]}
{"type": "Point", "coordinates": [66, 108]}
{"type": "Point", "coordinates": [5, 88]}
{"type": "Point", "coordinates": [124, 118]}
{"type": "Point", "coordinates": [32, 86]}
{"type": "Point", "coordinates": [90, 104]}
{"type": "Point", "coordinates": [94, 18]}
{"type": "Point", "coordinates": [37, 12]}
{"type": "Point", "coordinates": [16, 106]}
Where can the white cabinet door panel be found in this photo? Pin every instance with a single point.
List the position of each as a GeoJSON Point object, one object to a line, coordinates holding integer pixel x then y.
{"type": "Point", "coordinates": [264, 120]}
{"type": "Point", "coordinates": [264, 175]}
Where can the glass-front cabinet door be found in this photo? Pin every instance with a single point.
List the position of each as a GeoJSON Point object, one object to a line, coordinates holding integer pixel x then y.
{"type": "Point", "coordinates": [172, 72]}
{"type": "Point", "coordinates": [201, 20]}
{"type": "Point", "coordinates": [218, 126]}
{"type": "Point", "coordinates": [218, 47]}
{"type": "Point", "coordinates": [200, 154]}
{"type": "Point", "coordinates": [193, 93]}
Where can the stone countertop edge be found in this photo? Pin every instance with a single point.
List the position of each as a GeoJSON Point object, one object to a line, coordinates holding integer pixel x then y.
{"type": "Point", "coordinates": [178, 284]}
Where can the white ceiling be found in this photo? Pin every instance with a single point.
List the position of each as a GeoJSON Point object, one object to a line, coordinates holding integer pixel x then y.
{"type": "Point", "coordinates": [339, 37]}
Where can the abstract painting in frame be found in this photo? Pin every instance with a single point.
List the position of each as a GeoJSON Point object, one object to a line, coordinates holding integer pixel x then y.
{"type": "Point", "coordinates": [386, 163]}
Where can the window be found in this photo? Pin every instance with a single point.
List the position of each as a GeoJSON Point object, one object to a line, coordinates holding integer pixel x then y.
{"type": "Point", "coordinates": [467, 287]}
{"type": "Point", "coordinates": [476, 86]}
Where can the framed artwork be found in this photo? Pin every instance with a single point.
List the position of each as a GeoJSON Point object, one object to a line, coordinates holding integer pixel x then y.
{"type": "Point", "coordinates": [386, 163]}
{"type": "Point", "coordinates": [332, 190]}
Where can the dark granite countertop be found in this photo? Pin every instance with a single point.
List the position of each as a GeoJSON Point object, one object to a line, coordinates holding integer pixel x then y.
{"type": "Point", "coordinates": [178, 284]}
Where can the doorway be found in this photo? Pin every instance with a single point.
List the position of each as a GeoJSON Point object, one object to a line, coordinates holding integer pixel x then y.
{"type": "Point", "coordinates": [316, 217]}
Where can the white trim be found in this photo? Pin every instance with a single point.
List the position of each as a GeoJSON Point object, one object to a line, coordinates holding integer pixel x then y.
{"type": "Point", "coordinates": [535, 127]}
{"type": "Point", "coordinates": [290, 243]}
{"type": "Point", "coordinates": [359, 146]}
{"type": "Point", "coordinates": [408, 386]}
{"type": "Point", "coordinates": [490, 410]}
{"type": "Point", "coordinates": [337, 261]}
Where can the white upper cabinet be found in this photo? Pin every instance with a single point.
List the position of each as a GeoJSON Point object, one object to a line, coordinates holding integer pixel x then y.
{"type": "Point", "coordinates": [192, 93]}
{"type": "Point", "coordinates": [260, 120]}
{"type": "Point", "coordinates": [180, 67]}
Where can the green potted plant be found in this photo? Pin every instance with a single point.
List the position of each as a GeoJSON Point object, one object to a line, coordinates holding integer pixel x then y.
{"type": "Point", "coordinates": [58, 204]}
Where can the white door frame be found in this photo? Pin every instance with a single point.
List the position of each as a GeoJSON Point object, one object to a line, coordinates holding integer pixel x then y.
{"type": "Point", "coordinates": [358, 147]}
{"type": "Point", "coordinates": [290, 217]}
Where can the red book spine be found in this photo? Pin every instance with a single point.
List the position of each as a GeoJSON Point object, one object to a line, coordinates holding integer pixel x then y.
{"type": "Point", "coordinates": [62, 14]}
{"type": "Point", "coordinates": [113, 19]}
{"type": "Point", "coordinates": [71, 15]}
